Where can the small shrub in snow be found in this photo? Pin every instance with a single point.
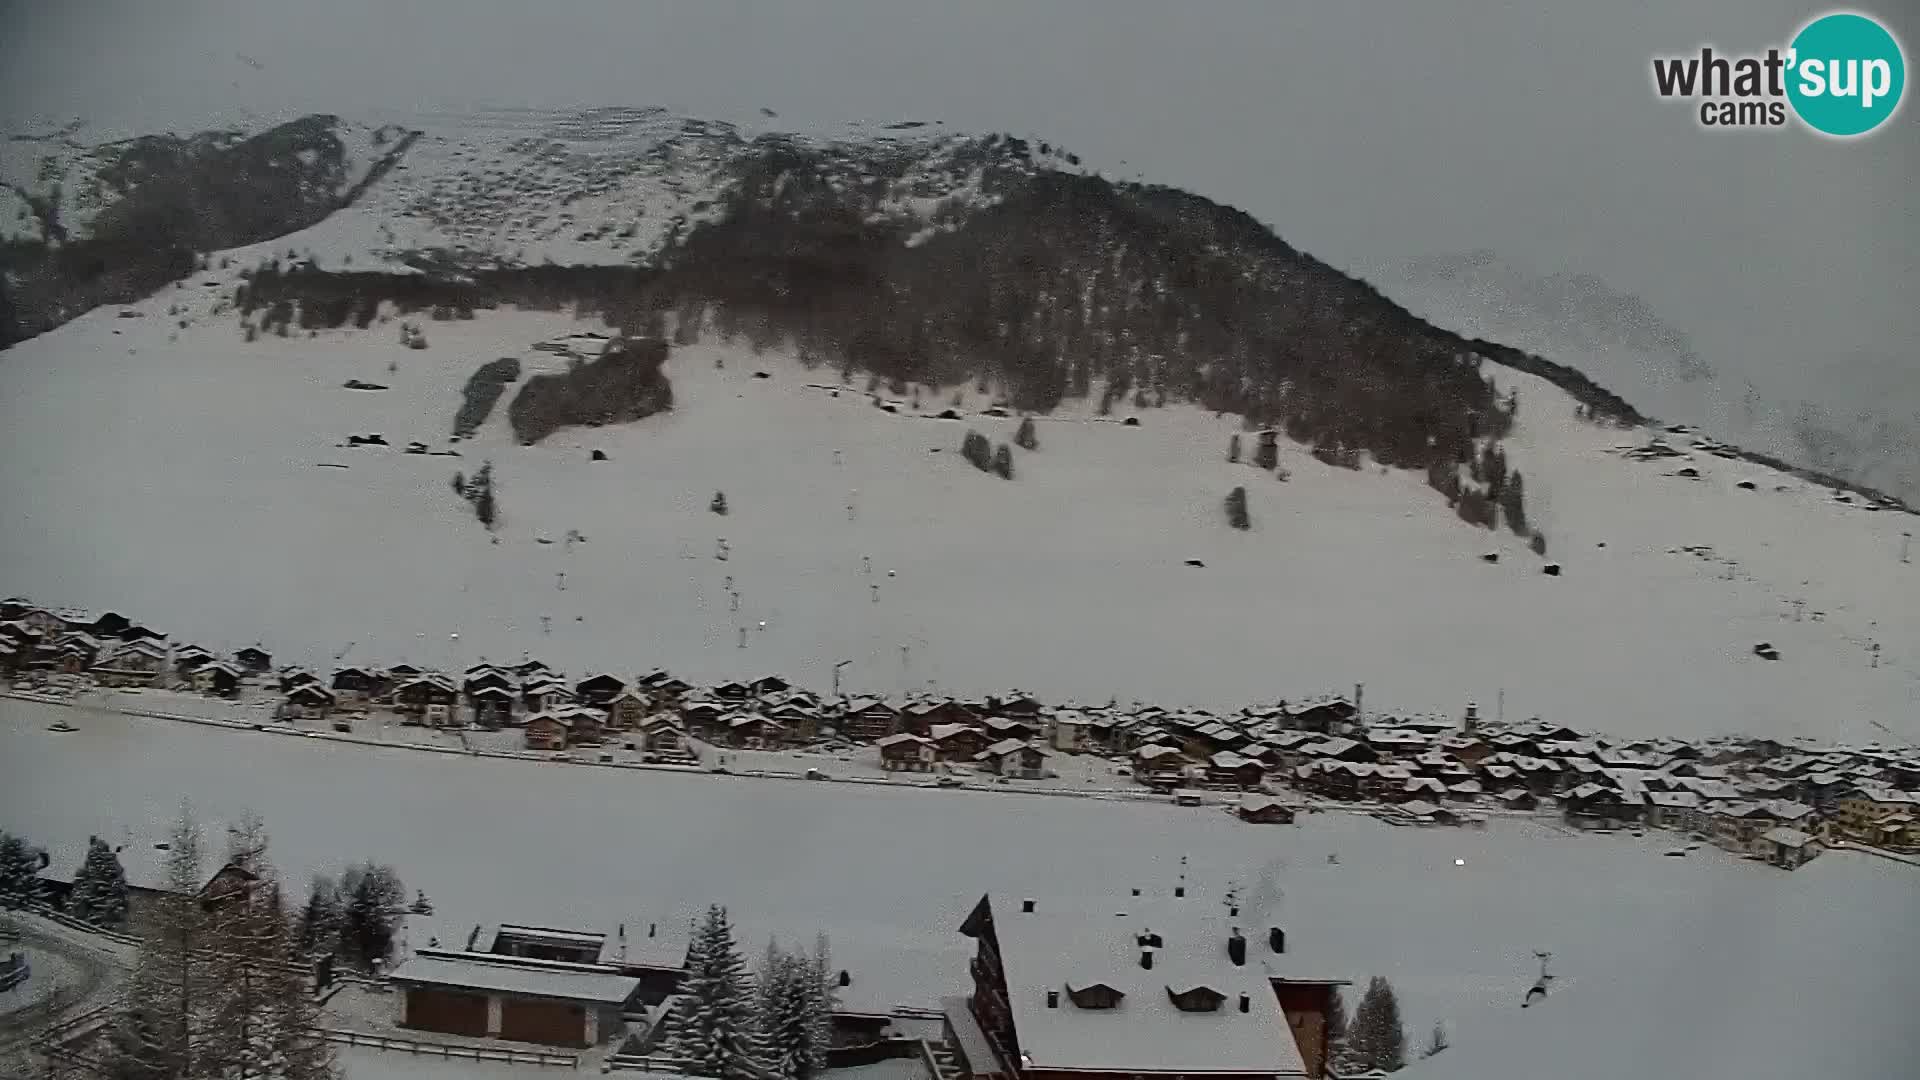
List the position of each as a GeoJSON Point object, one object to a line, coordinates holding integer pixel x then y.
{"type": "Point", "coordinates": [1237, 509]}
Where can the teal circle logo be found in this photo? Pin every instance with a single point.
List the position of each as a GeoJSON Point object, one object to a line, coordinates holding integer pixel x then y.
{"type": "Point", "coordinates": [1847, 74]}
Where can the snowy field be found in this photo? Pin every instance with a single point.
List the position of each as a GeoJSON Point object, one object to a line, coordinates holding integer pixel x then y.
{"type": "Point", "coordinates": [175, 475]}
{"type": "Point", "coordinates": [1730, 952]}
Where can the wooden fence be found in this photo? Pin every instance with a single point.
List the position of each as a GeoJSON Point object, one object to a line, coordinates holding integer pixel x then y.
{"type": "Point", "coordinates": [56, 915]}
{"type": "Point", "coordinates": [659, 1063]}
{"type": "Point", "coordinates": [448, 1050]}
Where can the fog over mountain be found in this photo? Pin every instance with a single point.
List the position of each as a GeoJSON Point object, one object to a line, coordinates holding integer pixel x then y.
{"type": "Point", "coordinates": [1362, 133]}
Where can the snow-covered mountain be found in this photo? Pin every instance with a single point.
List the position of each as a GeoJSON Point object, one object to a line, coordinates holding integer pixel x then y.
{"type": "Point", "coordinates": [86, 222]}
{"type": "Point", "coordinates": [805, 283]}
{"type": "Point", "coordinates": [1812, 415]}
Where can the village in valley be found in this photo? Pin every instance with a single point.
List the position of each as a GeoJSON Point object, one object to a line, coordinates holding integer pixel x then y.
{"type": "Point", "coordinates": [1761, 798]}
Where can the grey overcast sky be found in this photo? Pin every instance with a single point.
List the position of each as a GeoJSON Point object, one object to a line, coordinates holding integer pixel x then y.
{"type": "Point", "coordinates": [1367, 132]}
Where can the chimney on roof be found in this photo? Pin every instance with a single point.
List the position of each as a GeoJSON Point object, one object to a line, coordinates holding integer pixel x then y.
{"type": "Point", "coordinates": [650, 928]}
{"type": "Point", "coordinates": [1136, 892]}
{"type": "Point", "coordinates": [1179, 890]}
{"type": "Point", "coordinates": [1053, 999]}
{"type": "Point", "coordinates": [846, 978]}
{"type": "Point", "coordinates": [1276, 939]}
{"type": "Point", "coordinates": [1237, 948]}
{"type": "Point", "coordinates": [1027, 905]}
{"type": "Point", "coordinates": [1246, 1003]}
{"type": "Point", "coordinates": [1146, 958]}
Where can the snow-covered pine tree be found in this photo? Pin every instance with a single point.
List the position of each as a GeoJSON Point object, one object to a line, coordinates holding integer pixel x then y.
{"type": "Point", "coordinates": [1025, 438]}
{"type": "Point", "coordinates": [1436, 1040]}
{"type": "Point", "coordinates": [318, 928]}
{"type": "Point", "coordinates": [1377, 1040]}
{"type": "Point", "coordinates": [421, 905]}
{"type": "Point", "coordinates": [1336, 1044]}
{"type": "Point", "coordinates": [796, 1011]}
{"type": "Point", "coordinates": [371, 902]}
{"type": "Point", "coordinates": [825, 997]}
{"type": "Point", "coordinates": [99, 893]}
{"type": "Point", "coordinates": [1233, 449]}
{"type": "Point", "coordinates": [713, 1026]}
{"type": "Point", "coordinates": [19, 871]}
{"type": "Point", "coordinates": [1003, 462]}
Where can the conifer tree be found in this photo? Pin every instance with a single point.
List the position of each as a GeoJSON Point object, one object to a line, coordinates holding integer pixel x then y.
{"type": "Point", "coordinates": [99, 893]}
{"type": "Point", "coordinates": [1237, 509]}
{"type": "Point", "coordinates": [1233, 448]}
{"type": "Point", "coordinates": [318, 928]}
{"type": "Point", "coordinates": [714, 1028]}
{"type": "Point", "coordinates": [371, 902]}
{"type": "Point", "coordinates": [1003, 462]}
{"type": "Point", "coordinates": [1025, 437]}
{"type": "Point", "coordinates": [19, 871]}
{"type": "Point", "coordinates": [1377, 1040]}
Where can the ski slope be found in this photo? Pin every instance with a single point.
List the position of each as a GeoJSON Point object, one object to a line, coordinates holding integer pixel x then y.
{"type": "Point", "coordinates": [1649, 951]}
{"type": "Point", "coordinates": [177, 475]}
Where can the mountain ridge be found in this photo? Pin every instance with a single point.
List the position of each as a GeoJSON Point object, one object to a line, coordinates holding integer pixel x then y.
{"type": "Point", "coordinates": [685, 205]}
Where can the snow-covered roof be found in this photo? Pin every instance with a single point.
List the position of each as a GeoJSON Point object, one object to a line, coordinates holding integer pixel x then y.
{"type": "Point", "coordinates": [1789, 837]}
{"type": "Point", "coordinates": [1144, 1032]}
{"type": "Point", "coordinates": [515, 975]}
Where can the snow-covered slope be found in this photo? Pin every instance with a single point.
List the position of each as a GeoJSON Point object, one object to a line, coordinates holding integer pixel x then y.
{"type": "Point", "coordinates": [78, 176]}
{"type": "Point", "coordinates": [182, 475]}
{"type": "Point", "coordinates": [582, 187]}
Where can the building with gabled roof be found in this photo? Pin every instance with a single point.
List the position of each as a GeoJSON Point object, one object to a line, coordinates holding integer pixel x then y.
{"type": "Point", "coordinates": [1155, 987]}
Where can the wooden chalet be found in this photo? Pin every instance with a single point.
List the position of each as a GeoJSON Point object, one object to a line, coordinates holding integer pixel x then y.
{"type": "Point", "coordinates": [921, 716]}
{"type": "Point", "coordinates": [1018, 706]}
{"type": "Point", "coordinates": [906, 752]}
{"type": "Point", "coordinates": [1322, 717]}
{"type": "Point", "coordinates": [628, 708]}
{"type": "Point", "coordinates": [1014, 758]}
{"type": "Point", "coordinates": [1007, 727]}
{"type": "Point", "coordinates": [664, 738]}
{"type": "Point", "coordinates": [1265, 810]}
{"type": "Point", "coordinates": [253, 660]}
{"type": "Point", "coordinates": [218, 678]}
{"type": "Point", "coordinates": [492, 706]}
{"type": "Point", "coordinates": [1597, 806]}
{"type": "Point", "coordinates": [354, 683]}
{"type": "Point", "coordinates": [768, 685]}
{"type": "Point", "coordinates": [868, 719]}
{"type": "Point", "coordinates": [957, 742]}
{"type": "Point", "coordinates": [664, 687]}
{"type": "Point", "coordinates": [545, 731]}
{"type": "Point", "coordinates": [1228, 769]}
{"type": "Point", "coordinates": [598, 691]}
{"type": "Point", "coordinates": [487, 677]}
{"type": "Point", "coordinates": [799, 724]}
{"type": "Point", "coordinates": [290, 677]}
{"type": "Point", "coordinates": [734, 691]}
{"type": "Point", "coordinates": [426, 699]}
{"type": "Point", "coordinates": [308, 701]}
{"type": "Point", "coordinates": [131, 663]}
